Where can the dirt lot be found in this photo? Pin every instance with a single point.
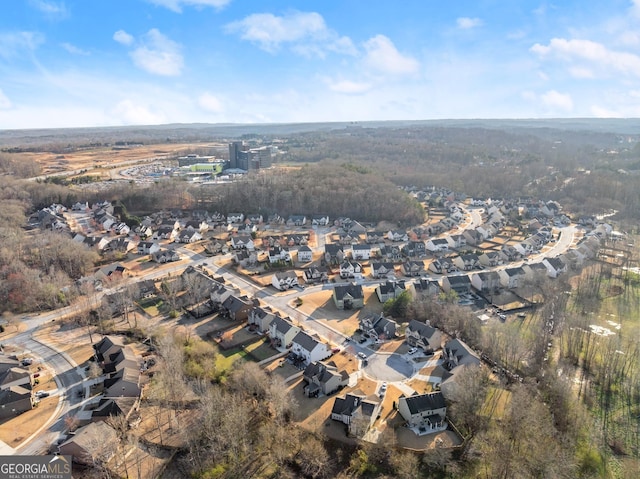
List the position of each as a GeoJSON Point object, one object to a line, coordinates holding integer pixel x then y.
{"type": "Point", "coordinates": [101, 158]}
{"type": "Point", "coordinates": [16, 430]}
{"type": "Point", "coordinates": [320, 305]}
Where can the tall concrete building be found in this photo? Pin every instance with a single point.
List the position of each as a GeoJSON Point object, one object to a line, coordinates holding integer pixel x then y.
{"type": "Point", "coordinates": [240, 156]}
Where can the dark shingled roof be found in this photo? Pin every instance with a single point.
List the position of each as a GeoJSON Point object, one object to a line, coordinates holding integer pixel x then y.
{"type": "Point", "coordinates": [424, 402]}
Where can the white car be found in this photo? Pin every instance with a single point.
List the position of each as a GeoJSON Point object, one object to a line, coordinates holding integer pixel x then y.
{"type": "Point", "coordinates": [361, 355]}
{"type": "Point", "coordinates": [413, 350]}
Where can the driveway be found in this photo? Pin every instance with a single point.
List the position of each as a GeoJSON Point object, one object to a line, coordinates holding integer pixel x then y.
{"type": "Point", "coordinates": [388, 367]}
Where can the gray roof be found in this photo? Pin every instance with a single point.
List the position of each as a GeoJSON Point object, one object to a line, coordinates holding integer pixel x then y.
{"type": "Point", "coordinates": [305, 341]}
{"type": "Point", "coordinates": [424, 402]}
{"type": "Point", "coordinates": [353, 290]}
{"type": "Point", "coordinates": [282, 325]}
{"type": "Point", "coordinates": [423, 329]}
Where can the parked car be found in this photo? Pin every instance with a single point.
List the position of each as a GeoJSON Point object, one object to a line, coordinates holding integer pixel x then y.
{"type": "Point", "coordinates": [362, 356]}
{"type": "Point", "coordinates": [42, 394]}
{"type": "Point", "coordinates": [413, 350]}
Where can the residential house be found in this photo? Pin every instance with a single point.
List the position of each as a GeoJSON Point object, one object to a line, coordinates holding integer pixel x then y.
{"type": "Point", "coordinates": [148, 247]}
{"type": "Point", "coordinates": [382, 270]}
{"type": "Point", "coordinates": [255, 218]}
{"type": "Point", "coordinates": [245, 257]}
{"type": "Point", "coordinates": [8, 362]}
{"type": "Point", "coordinates": [466, 262]}
{"type": "Point", "coordinates": [165, 256]}
{"type": "Point", "coordinates": [284, 280]}
{"type": "Point", "coordinates": [350, 269]}
{"type": "Point", "coordinates": [124, 357]}
{"type": "Point", "coordinates": [165, 233]}
{"type": "Point", "coordinates": [511, 277]}
{"type": "Point", "coordinates": [426, 412]}
{"type": "Point", "coordinates": [189, 236]}
{"type": "Point", "coordinates": [535, 271]}
{"type": "Point", "coordinates": [438, 245]}
{"type": "Point", "coordinates": [297, 220]}
{"type": "Point", "coordinates": [278, 254]}
{"type": "Point", "coordinates": [374, 237]}
{"type": "Point", "coordinates": [413, 268]}
{"type": "Point", "coordinates": [309, 347]}
{"type": "Point", "coordinates": [109, 408]}
{"type": "Point", "coordinates": [490, 259]}
{"type": "Point", "coordinates": [378, 327]}
{"type": "Point", "coordinates": [391, 252]}
{"type": "Point", "coordinates": [333, 253]}
{"type": "Point", "coordinates": [457, 241]}
{"type": "Point", "coordinates": [246, 229]}
{"type": "Point", "coordinates": [316, 274]}
{"type": "Point", "coordinates": [216, 246]}
{"type": "Point", "coordinates": [236, 308]}
{"type": "Point", "coordinates": [124, 382]}
{"type": "Point", "coordinates": [93, 444]}
{"type": "Point", "coordinates": [461, 284]}
{"type": "Point", "coordinates": [441, 266]}
{"type": "Point", "coordinates": [305, 254]}
{"type": "Point", "coordinates": [423, 335]}
{"type": "Point", "coordinates": [242, 242]}
{"type": "Point", "coordinates": [235, 218]}
{"type": "Point", "coordinates": [509, 254]}
{"type": "Point", "coordinates": [415, 249]}
{"type": "Point", "coordinates": [201, 226]}
{"type": "Point", "coordinates": [457, 353]}
{"type": "Point", "coordinates": [390, 290]}
{"type": "Point", "coordinates": [348, 296]}
{"type": "Point", "coordinates": [473, 237]}
{"type": "Point", "coordinates": [15, 400]}
{"type": "Point", "coordinates": [320, 220]}
{"type": "Point", "coordinates": [426, 287]}
{"type": "Point", "coordinates": [486, 281]}
{"type": "Point", "coordinates": [357, 411]}
{"type": "Point", "coordinates": [218, 295]}
{"type": "Point", "coordinates": [346, 239]}
{"type": "Point", "coordinates": [111, 272]}
{"type": "Point", "coordinates": [360, 252]}
{"type": "Point", "coordinates": [261, 318]}
{"type": "Point", "coordinates": [107, 346]}
{"type": "Point", "coordinates": [555, 266]}
{"type": "Point", "coordinates": [397, 235]}
{"type": "Point", "coordinates": [15, 377]}
{"type": "Point", "coordinates": [297, 239]}
{"type": "Point", "coordinates": [323, 378]}
{"type": "Point", "coordinates": [282, 332]}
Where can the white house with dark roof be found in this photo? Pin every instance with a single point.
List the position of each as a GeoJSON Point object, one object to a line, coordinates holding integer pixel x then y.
{"type": "Point", "coordinates": [348, 296]}
{"type": "Point", "coordinates": [350, 269]}
{"type": "Point", "coordinates": [437, 245]}
{"type": "Point", "coordinates": [512, 277]}
{"type": "Point", "coordinates": [555, 266]}
{"type": "Point", "coordinates": [424, 412]}
{"type": "Point", "coordinates": [379, 327]}
{"type": "Point", "coordinates": [282, 332]}
{"type": "Point", "coordinates": [382, 269]}
{"type": "Point", "coordinates": [309, 347]}
{"type": "Point", "coordinates": [360, 252]}
{"type": "Point", "coordinates": [260, 318]}
{"type": "Point", "coordinates": [323, 378]}
{"type": "Point", "coordinates": [486, 281]}
{"type": "Point", "coordinates": [305, 254]}
{"type": "Point", "coordinates": [390, 290]}
{"type": "Point", "coordinates": [284, 280]}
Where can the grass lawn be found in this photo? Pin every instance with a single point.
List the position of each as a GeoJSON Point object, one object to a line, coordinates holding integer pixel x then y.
{"type": "Point", "coordinates": [260, 350]}
{"type": "Point", "coordinates": [151, 306]}
{"type": "Point", "coordinates": [225, 359]}
{"type": "Point", "coordinates": [496, 402]}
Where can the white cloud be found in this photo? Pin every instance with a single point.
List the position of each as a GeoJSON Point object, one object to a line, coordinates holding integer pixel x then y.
{"type": "Point", "coordinates": [177, 5]}
{"type": "Point", "coordinates": [581, 72]}
{"type": "Point", "coordinates": [307, 32]}
{"type": "Point", "coordinates": [158, 54]}
{"type": "Point", "coordinates": [73, 49]}
{"type": "Point", "coordinates": [595, 53]}
{"type": "Point", "coordinates": [348, 87]}
{"type": "Point", "coordinates": [123, 37]}
{"type": "Point", "coordinates": [16, 43]}
{"type": "Point", "coordinates": [603, 112]}
{"type": "Point", "coordinates": [466, 23]}
{"type": "Point", "coordinates": [130, 113]}
{"type": "Point", "coordinates": [5, 103]}
{"type": "Point", "coordinates": [210, 102]}
{"type": "Point", "coordinates": [383, 56]}
{"type": "Point", "coordinates": [49, 7]}
{"type": "Point", "coordinates": [557, 101]}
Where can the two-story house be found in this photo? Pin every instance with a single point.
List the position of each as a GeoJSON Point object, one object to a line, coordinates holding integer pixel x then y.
{"type": "Point", "coordinates": [282, 332]}
{"type": "Point", "coordinates": [309, 347]}
{"type": "Point", "coordinates": [426, 412]}
{"type": "Point", "coordinates": [423, 335]}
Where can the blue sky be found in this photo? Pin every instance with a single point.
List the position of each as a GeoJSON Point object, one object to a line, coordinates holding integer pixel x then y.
{"type": "Point", "coordinates": [66, 63]}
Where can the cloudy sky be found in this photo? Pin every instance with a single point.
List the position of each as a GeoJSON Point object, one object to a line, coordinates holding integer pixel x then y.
{"type": "Point", "coordinates": [70, 63]}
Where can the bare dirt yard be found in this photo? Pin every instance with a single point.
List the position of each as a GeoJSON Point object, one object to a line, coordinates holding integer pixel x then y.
{"type": "Point", "coordinates": [16, 430]}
